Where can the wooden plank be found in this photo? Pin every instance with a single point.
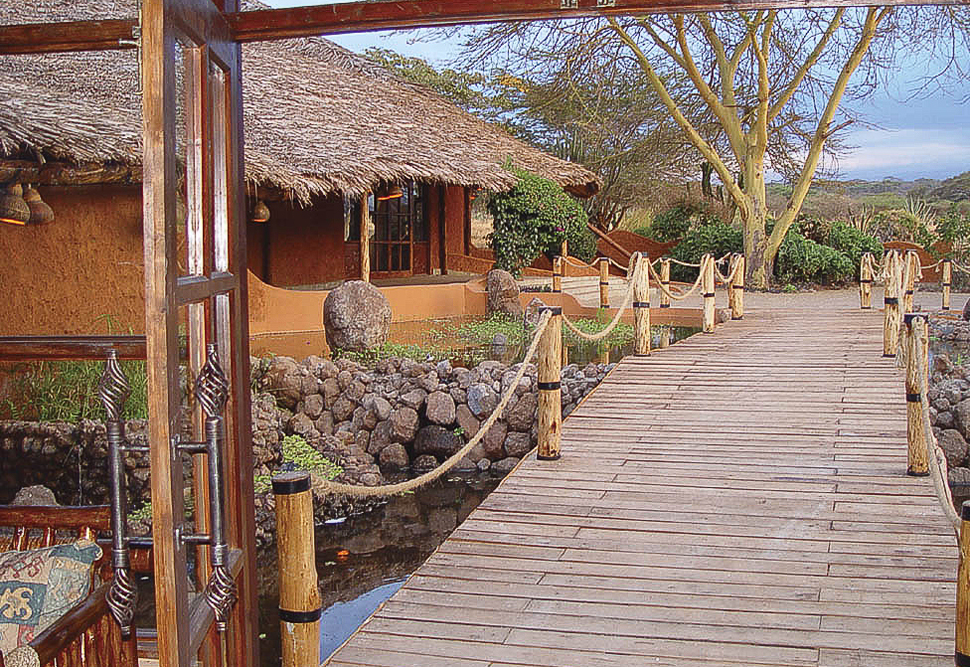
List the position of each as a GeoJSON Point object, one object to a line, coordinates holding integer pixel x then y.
{"type": "Point", "coordinates": [47, 348]}
{"type": "Point", "coordinates": [682, 526]}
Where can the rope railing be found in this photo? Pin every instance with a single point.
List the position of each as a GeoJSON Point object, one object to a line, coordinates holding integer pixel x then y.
{"type": "Point", "coordinates": [627, 302]}
{"type": "Point", "coordinates": [666, 291]}
{"type": "Point", "coordinates": [451, 461]}
{"type": "Point", "coordinates": [912, 274]}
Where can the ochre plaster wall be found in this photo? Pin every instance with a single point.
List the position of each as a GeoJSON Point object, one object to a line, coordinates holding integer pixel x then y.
{"type": "Point", "coordinates": [305, 245]}
{"type": "Point", "coordinates": [59, 278]}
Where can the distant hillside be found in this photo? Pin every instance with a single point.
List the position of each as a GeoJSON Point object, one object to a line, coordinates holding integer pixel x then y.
{"type": "Point", "coordinates": [920, 187]}
{"type": "Point", "coordinates": [953, 189]}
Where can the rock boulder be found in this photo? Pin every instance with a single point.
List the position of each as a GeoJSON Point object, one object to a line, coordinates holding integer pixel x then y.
{"type": "Point", "coordinates": [356, 316]}
{"type": "Point", "coordinates": [503, 293]}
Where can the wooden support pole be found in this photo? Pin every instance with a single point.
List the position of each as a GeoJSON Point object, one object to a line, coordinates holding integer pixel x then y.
{"type": "Point", "coordinates": [299, 592]}
{"type": "Point", "coordinates": [665, 335]}
{"type": "Point", "coordinates": [665, 281]}
{"type": "Point", "coordinates": [550, 394]}
{"type": "Point", "coordinates": [891, 316]}
{"type": "Point", "coordinates": [564, 249]}
{"type": "Point", "coordinates": [865, 282]}
{"type": "Point", "coordinates": [604, 265]}
{"type": "Point", "coordinates": [912, 269]}
{"type": "Point", "coordinates": [736, 288]}
{"type": "Point", "coordinates": [962, 653]}
{"type": "Point", "coordinates": [365, 238]}
{"type": "Point", "coordinates": [641, 304]}
{"type": "Point", "coordinates": [916, 364]}
{"type": "Point", "coordinates": [707, 287]}
{"type": "Point", "coordinates": [947, 282]}
{"type": "Point", "coordinates": [557, 275]}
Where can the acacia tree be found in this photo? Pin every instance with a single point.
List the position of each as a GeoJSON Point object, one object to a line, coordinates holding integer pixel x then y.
{"type": "Point", "coordinates": [763, 90]}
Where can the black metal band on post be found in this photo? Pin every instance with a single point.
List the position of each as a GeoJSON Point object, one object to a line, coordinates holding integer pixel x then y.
{"type": "Point", "coordinates": [909, 317]}
{"type": "Point", "coordinates": [740, 287]}
{"type": "Point", "coordinates": [910, 292]}
{"type": "Point", "coordinates": [709, 295]}
{"type": "Point", "coordinates": [290, 616]}
{"type": "Point", "coordinates": [282, 486]}
{"type": "Point", "coordinates": [947, 285]}
{"type": "Point", "coordinates": [741, 317]}
{"type": "Point", "coordinates": [961, 659]}
{"type": "Point", "coordinates": [604, 283]}
{"type": "Point", "coordinates": [665, 305]}
{"type": "Point", "coordinates": [945, 308]}
{"type": "Point", "coordinates": [912, 398]}
{"type": "Point", "coordinates": [865, 281]}
{"type": "Point", "coordinates": [891, 301]}
{"type": "Point", "coordinates": [641, 304]}
{"type": "Point", "coordinates": [548, 386]}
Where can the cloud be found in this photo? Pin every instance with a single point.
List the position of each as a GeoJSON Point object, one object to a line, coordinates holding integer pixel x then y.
{"type": "Point", "coordinates": [933, 153]}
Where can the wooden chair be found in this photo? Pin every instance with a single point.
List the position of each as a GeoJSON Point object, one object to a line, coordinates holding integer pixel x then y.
{"type": "Point", "coordinates": [87, 634]}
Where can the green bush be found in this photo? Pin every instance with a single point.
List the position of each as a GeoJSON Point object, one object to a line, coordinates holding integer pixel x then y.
{"type": "Point", "coordinates": [853, 243]}
{"type": "Point", "coordinates": [716, 238]}
{"type": "Point", "coordinates": [803, 260]}
{"type": "Point", "coordinates": [675, 223]}
{"type": "Point", "coordinates": [302, 456]}
{"type": "Point", "coordinates": [535, 217]}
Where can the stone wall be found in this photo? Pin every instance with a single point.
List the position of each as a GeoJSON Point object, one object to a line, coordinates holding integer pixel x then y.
{"type": "Point", "coordinates": [368, 420]}
{"type": "Point", "coordinates": [404, 413]}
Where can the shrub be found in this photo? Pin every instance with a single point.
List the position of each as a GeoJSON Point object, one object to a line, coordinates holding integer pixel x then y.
{"type": "Point", "coordinates": [675, 223]}
{"type": "Point", "coordinates": [803, 260]}
{"type": "Point", "coordinates": [853, 243]}
{"type": "Point", "coordinates": [301, 455]}
{"type": "Point", "coordinates": [716, 238]}
{"type": "Point", "coordinates": [534, 217]}
{"type": "Point", "coordinates": [900, 225]}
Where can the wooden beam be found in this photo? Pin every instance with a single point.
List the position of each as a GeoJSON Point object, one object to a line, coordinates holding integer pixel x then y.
{"type": "Point", "coordinates": [67, 36]}
{"type": "Point", "coordinates": [365, 16]}
{"type": "Point", "coordinates": [48, 348]}
{"type": "Point", "coordinates": [63, 173]}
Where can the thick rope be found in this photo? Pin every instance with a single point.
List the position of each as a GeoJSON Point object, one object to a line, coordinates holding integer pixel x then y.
{"type": "Point", "coordinates": [663, 288]}
{"type": "Point", "coordinates": [960, 267]}
{"type": "Point", "coordinates": [690, 266]}
{"type": "Point", "coordinates": [937, 462]}
{"type": "Point", "coordinates": [729, 279]}
{"type": "Point", "coordinates": [627, 300]}
{"type": "Point", "coordinates": [452, 461]}
{"type": "Point", "coordinates": [577, 262]}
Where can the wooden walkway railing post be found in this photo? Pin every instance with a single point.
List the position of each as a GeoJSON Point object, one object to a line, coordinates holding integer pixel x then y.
{"type": "Point", "coordinates": [299, 592]}
{"type": "Point", "coordinates": [912, 269]}
{"type": "Point", "coordinates": [665, 281]}
{"type": "Point", "coordinates": [891, 316]}
{"type": "Point", "coordinates": [947, 282]}
{"type": "Point", "coordinates": [736, 288]}
{"type": "Point", "coordinates": [917, 361]}
{"type": "Point", "coordinates": [865, 282]}
{"type": "Point", "coordinates": [550, 394]}
{"type": "Point", "coordinates": [707, 287]}
{"type": "Point", "coordinates": [604, 264]}
{"type": "Point", "coordinates": [557, 266]}
{"type": "Point", "coordinates": [641, 303]}
{"type": "Point", "coordinates": [962, 653]}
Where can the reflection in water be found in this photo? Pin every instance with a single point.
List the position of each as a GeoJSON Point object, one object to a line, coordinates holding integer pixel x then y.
{"type": "Point", "coordinates": [363, 560]}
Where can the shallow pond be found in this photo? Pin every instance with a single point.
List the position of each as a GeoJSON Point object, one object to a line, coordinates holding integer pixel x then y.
{"type": "Point", "coordinates": [363, 560]}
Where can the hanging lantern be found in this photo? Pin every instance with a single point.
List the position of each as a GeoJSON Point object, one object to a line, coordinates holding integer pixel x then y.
{"type": "Point", "coordinates": [13, 208]}
{"type": "Point", "coordinates": [392, 191]}
{"type": "Point", "coordinates": [260, 212]}
{"type": "Point", "coordinates": [40, 211]}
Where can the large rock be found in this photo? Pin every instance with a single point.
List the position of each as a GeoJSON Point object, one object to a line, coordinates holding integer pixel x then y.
{"type": "Point", "coordinates": [394, 456]}
{"type": "Point", "coordinates": [437, 440]}
{"type": "Point", "coordinates": [34, 495]}
{"type": "Point", "coordinates": [482, 399]}
{"type": "Point", "coordinates": [954, 447]}
{"type": "Point", "coordinates": [440, 408]}
{"type": "Point", "coordinates": [356, 316]}
{"type": "Point", "coordinates": [966, 310]}
{"type": "Point", "coordinates": [404, 424]}
{"type": "Point", "coordinates": [523, 414]}
{"type": "Point", "coordinates": [961, 418]}
{"type": "Point", "coordinates": [503, 293]}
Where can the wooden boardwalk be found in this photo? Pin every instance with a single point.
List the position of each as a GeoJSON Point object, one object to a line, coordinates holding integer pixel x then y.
{"type": "Point", "coordinates": [736, 499]}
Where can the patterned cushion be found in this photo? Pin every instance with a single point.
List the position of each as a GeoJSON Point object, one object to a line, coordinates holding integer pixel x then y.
{"type": "Point", "coordinates": [38, 586]}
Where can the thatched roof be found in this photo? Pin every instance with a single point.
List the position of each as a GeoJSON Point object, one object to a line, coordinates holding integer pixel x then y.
{"type": "Point", "coordinates": [318, 118]}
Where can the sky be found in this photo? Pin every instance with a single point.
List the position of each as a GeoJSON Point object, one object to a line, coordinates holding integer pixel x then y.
{"type": "Point", "coordinates": [928, 137]}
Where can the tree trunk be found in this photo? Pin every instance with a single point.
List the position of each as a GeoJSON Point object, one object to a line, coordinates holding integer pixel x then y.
{"type": "Point", "coordinates": [754, 215]}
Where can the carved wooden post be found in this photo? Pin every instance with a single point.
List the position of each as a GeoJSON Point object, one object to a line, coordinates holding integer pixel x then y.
{"type": "Point", "coordinates": [865, 282]}
{"type": "Point", "coordinates": [947, 282]}
{"type": "Point", "coordinates": [912, 269]}
{"type": "Point", "coordinates": [557, 275]}
{"type": "Point", "coordinates": [550, 394]}
{"type": "Point", "coordinates": [641, 304]}
{"type": "Point", "coordinates": [299, 594]}
{"type": "Point", "coordinates": [963, 590]}
{"type": "Point", "coordinates": [891, 318]}
{"type": "Point", "coordinates": [916, 364]}
{"type": "Point", "coordinates": [736, 288]}
{"type": "Point", "coordinates": [604, 264]}
{"type": "Point", "coordinates": [665, 281]}
{"type": "Point", "coordinates": [707, 287]}
{"type": "Point", "coordinates": [365, 238]}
